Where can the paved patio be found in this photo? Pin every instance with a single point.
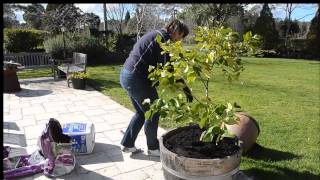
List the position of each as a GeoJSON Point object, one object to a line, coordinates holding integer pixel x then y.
{"type": "Point", "coordinates": [27, 111]}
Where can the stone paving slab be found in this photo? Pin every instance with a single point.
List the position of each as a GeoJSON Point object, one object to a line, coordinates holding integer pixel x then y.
{"type": "Point", "coordinates": [27, 111]}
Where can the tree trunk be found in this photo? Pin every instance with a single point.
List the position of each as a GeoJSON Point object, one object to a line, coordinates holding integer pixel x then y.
{"type": "Point", "coordinates": [288, 24]}
{"type": "Point", "coordinates": [105, 22]}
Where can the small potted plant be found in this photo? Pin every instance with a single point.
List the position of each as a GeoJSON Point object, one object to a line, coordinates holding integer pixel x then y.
{"type": "Point", "coordinates": [10, 78]}
{"type": "Point", "coordinates": [78, 80]}
{"type": "Point", "coordinates": [204, 148]}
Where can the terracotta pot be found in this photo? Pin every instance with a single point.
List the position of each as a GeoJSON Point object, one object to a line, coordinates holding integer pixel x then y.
{"type": "Point", "coordinates": [247, 130]}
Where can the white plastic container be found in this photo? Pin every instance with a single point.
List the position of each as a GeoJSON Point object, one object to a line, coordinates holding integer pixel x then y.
{"type": "Point", "coordinates": [82, 136]}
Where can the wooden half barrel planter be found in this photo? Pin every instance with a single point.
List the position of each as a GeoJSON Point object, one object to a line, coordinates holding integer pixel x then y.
{"type": "Point", "coordinates": [178, 167]}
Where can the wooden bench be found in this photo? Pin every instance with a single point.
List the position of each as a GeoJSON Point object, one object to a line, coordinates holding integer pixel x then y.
{"type": "Point", "coordinates": [31, 60]}
{"type": "Point", "coordinates": [78, 64]}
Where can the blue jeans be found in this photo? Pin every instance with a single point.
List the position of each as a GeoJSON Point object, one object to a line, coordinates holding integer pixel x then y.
{"type": "Point", "coordinates": [139, 89]}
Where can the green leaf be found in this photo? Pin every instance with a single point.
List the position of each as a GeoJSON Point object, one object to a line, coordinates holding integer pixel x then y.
{"type": "Point", "coordinates": [198, 39]}
{"type": "Point", "coordinates": [163, 74]}
{"type": "Point", "coordinates": [177, 104]}
{"type": "Point", "coordinates": [231, 121]}
{"type": "Point", "coordinates": [206, 137]}
{"type": "Point", "coordinates": [203, 122]}
{"type": "Point", "coordinates": [150, 68]}
{"type": "Point", "coordinates": [179, 117]}
{"type": "Point", "coordinates": [216, 130]}
{"type": "Point", "coordinates": [163, 113]}
{"type": "Point", "coordinates": [154, 83]}
{"type": "Point", "coordinates": [247, 36]}
{"type": "Point", "coordinates": [158, 38]}
{"type": "Point", "coordinates": [191, 77]}
{"type": "Point", "coordinates": [186, 69]}
{"type": "Point", "coordinates": [148, 114]}
{"type": "Point", "coordinates": [196, 108]}
{"type": "Point", "coordinates": [220, 109]}
{"type": "Point", "coordinates": [228, 134]}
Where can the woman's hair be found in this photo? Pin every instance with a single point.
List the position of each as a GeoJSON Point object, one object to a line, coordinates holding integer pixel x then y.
{"type": "Point", "coordinates": [176, 25]}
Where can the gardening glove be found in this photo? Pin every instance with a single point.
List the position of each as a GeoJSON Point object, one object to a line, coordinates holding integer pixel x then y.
{"type": "Point", "coordinates": [188, 94]}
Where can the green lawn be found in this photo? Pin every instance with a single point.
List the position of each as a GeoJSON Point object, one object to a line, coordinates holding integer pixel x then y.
{"type": "Point", "coordinates": [34, 73]}
{"type": "Point", "coordinates": [282, 94]}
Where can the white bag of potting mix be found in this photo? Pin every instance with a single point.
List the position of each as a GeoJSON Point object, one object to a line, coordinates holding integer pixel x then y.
{"type": "Point", "coordinates": [82, 136]}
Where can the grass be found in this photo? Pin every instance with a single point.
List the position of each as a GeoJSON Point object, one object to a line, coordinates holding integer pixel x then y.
{"type": "Point", "coordinates": [34, 73]}
{"type": "Point", "coordinates": [282, 94]}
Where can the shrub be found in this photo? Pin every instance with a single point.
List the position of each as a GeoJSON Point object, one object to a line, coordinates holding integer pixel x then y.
{"type": "Point", "coordinates": [297, 48]}
{"type": "Point", "coordinates": [54, 46]}
{"type": "Point", "coordinates": [89, 45]}
{"type": "Point", "coordinates": [314, 36]}
{"type": "Point", "coordinates": [121, 43]}
{"type": "Point", "coordinates": [23, 40]}
{"type": "Point", "coordinates": [125, 43]}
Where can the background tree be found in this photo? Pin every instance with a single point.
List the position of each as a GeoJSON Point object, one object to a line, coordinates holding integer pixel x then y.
{"type": "Point", "coordinates": [105, 23]}
{"type": "Point", "coordinates": [127, 18]}
{"type": "Point", "coordinates": [289, 9]}
{"type": "Point", "coordinates": [33, 15]}
{"type": "Point", "coordinates": [293, 28]}
{"type": "Point", "coordinates": [9, 17]}
{"type": "Point", "coordinates": [170, 9]}
{"type": "Point", "coordinates": [250, 17]}
{"type": "Point", "coordinates": [115, 13]}
{"type": "Point", "coordinates": [92, 21]}
{"type": "Point", "coordinates": [51, 7]}
{"type": "Point", "coordinates": [212, 14]}
{"type": "Point", "coordinates": [152, 18]}
{"type": "Point", "coordinates": [314, 35]}
{"type": "Point", "coordinates": [304, 28]}
{"type": "Point", "coordinates": [265, 26]}
{"type": "Point", "coordinates": [145, 18]}
{"type": "Point", "coordinates": [64, 15]}
{"type": "Point", "coordinates": [140, 11]}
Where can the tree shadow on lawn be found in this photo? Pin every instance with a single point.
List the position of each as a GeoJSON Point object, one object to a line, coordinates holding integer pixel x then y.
{"type": "Point", "coordinates": [263, 153]}
{"type": "Point", "coordinates": [281, 173]}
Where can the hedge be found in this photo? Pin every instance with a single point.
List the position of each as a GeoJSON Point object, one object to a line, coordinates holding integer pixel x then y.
{"type": "Point", "coordinates": [23, 40]}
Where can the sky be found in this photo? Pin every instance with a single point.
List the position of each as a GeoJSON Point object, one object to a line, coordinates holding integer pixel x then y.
{"type": "Point", "coordinates": [303, 12]}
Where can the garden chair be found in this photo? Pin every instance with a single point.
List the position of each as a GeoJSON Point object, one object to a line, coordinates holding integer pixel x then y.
{"type": "Point", "coordinates": [78, 64]}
